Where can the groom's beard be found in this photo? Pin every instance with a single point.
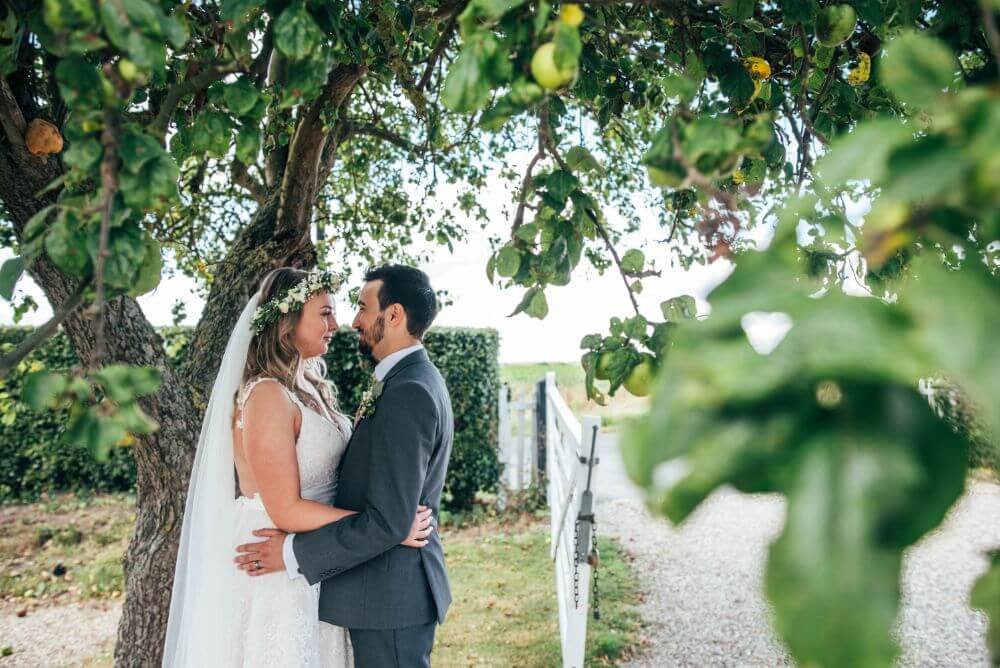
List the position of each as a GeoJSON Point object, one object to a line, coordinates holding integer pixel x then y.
{"type": "Point", "coordinates": [370, 339]}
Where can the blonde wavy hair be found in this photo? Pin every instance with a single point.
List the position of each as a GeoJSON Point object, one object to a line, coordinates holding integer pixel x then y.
{"type": "Point", "coordinates": [273, 355]}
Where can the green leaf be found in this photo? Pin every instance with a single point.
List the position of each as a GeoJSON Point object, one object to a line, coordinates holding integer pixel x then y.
{"type": "Point", "coordinates": [491, 266]}
{"type": "Point", "coordinates": [960, 337]}
{"type": "Point", "coordinates": [497, 116]}
{"type": "Point", "coordinates": [838, 428]}
{"type": "Point", "coordinates": [679, 308]}
{"type": "Point", "coordinates": [558, 186]}
{"type": "Point", "coordinates": [798, 11]}
{"type": "Point", "coordinates": [141, 149]}
{"type": "Point", "coordinates": [633, 261]}
{"type": "Point", "coordinates": [740, 10]}
{"type": "Point", "coordinates": [148, 275]}
{"type": "Point", "coordinates": [154, 186]}
{"type": "Point", "coordinates": [125, 384]}
{"type": "Point", "coordinates": [83, 154]}
{"type": "Point", "coordinates": [80, 83]}
{"type": "Point", "coordinates": [567, 46]}
{"type": "Point", "coordinates": [240, 96]}
{"type": "Point", "coordinates": [236, 10]}
{"type": "Point", "coordinates": [635, 327]}
{"type": "Point", "coordinates": [917, 68]}
{"type": "Point", "coordinates": [482, 13]}
{"type": "Point", "coordinates": [863, 154]}
{"type": "Point", "coordinates": [211, 133]}
{"type": "Point", "coordinates": [10, 273]}
{"type": "Point", "coordinates": [127, 250]}
{"type": "Point", "coordinates": [846, 493]}
{"type": "Point", "coordinates": [248, 144]}
{"type": "Point", "coordinates": [465, 87]}
{"type": "Point", "coordinates": [66, 245]}
{"type": "Point", "coordinates": [527, 232]}
{"type": "Point", "coordinates": [533, 303]}
{"type": "Point", "coordinates": [735, 83]}
{"type": "Point", "coordinates": [295, 32]}
{"type": "Point", "coordinates": [508, 261]}
{"type": "Point", "coordinates": [926, 169]}
{"type": "Point", "coordinates": [42, 388]}
{"type": "Point", "coordinates": [580, 159]}
{"type": "Point", "coordinates": [986, 597]}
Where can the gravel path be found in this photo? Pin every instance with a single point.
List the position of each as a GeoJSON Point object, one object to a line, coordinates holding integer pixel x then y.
{"type": "Point", "coordinates": [66, 635]}
{"type": "Point", "coordinates": [703, 581]}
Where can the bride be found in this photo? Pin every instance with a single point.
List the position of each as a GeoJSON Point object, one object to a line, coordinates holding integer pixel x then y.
{"type": "Point", "coordinates": [270, 443]}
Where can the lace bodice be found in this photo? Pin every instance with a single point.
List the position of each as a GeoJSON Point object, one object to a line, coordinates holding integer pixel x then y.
{"type": "Point", "coordinates": [319, 447]}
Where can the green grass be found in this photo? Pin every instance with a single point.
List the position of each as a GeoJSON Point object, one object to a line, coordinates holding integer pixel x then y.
{"type": "Point", "coordinates": [64, 549]}
{"type": "Point", "coordinates": [570, 380]}
{"type": "Point", "coordinates": [504, 610]}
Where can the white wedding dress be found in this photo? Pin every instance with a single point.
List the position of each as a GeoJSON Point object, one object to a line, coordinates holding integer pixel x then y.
{"type": "Point", "coordinates": [220, 616]}
{"type": "Point", "coordinates": [277, 619]}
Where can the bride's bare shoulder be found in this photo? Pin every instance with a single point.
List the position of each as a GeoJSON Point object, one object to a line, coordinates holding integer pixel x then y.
{"type": "Point", "coordinates": [265, 396]}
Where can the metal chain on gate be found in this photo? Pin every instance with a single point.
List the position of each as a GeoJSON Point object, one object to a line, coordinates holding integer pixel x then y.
{"type": "Point", "coordinates": [594, 556]}
{"type": "Point", "coordinates": [576, 565]}
{"type": "Point", "coordinates": [594, 559]}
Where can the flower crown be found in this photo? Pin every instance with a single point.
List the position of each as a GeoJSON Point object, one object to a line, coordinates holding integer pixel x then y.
{"type": "Point", "coordinates": [292, 299]}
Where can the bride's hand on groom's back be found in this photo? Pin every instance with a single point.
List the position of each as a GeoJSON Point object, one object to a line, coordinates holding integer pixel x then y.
{"type": "Point", "coordinates": [421, 529]}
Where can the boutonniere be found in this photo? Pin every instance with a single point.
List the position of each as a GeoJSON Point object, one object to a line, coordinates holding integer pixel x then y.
{"type": "Point", "coordinates": [367, 406]}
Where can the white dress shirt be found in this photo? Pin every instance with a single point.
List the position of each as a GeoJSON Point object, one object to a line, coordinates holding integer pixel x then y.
{"type": "Point", "coordinates": [381, 370]}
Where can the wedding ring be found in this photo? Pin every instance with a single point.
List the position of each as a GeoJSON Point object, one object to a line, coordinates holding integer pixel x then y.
{"type": "Point", "coordinates": [256, 565]}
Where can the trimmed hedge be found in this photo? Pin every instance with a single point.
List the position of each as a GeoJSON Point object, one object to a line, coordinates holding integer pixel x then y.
{"type": "Point", "coordinates": [34, 459]}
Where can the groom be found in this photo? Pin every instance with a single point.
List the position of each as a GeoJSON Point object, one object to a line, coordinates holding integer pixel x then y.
{"type": "Point", "coordinates": [389, 596]}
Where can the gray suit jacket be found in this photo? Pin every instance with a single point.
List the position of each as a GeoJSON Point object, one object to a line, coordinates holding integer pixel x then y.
{"type": "Point", "coordinates": [396, 459]}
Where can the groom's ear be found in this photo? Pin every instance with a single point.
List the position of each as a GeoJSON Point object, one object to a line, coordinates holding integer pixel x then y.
{"type": "Point", "coordinates": [397, 314]}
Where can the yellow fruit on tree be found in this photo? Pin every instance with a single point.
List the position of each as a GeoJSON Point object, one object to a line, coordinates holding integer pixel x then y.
{"type": "Point", "coordinates": [571, 15]}
{"type": "Point", "coordinates": [640, 379]}
{"type": "Point", "coordinates": [758, 68]}
{"type": "Point", "coordinates": [862, 72]}
{"type": "Point", "coordinates": [543, 68]}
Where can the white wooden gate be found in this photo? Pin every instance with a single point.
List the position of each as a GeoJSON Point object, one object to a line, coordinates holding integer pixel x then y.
{"type": "Point", "coordinates": [569, 472]}
{"type": "Point", "coordinates": [517, 445]}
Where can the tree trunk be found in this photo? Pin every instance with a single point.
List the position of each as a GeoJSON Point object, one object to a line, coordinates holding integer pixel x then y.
{"type": "Point", "coordinates": [163, 459]}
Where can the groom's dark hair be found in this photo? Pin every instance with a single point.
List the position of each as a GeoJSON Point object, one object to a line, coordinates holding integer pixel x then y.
{"type": "Point", "coordinates": [410, 288]}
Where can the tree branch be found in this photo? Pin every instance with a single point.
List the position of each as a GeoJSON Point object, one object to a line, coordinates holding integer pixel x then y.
{"type": "Point", "coordinates": [385, 135]}
{"type": "Point", "coordinates": [439, 48]}
{"type": "Point", "coordinates": [618, 261]}
{"type": "Point", "coordinates": [299, 184]}
{"type": "Point", "coordinates": [522, 196]}
{"type": "Point", "coordinates": [109, 186]}
{"type": "Point", "coordinates": [11, 117]}
{"type": "Point", "coordinates": [42, 334]}
{"type": "Point", "coordinates": [990, 28]}
{"type": "Point", "coordinates": [199, 81]}
{"type": "Point", "coordinates": [241, 177]}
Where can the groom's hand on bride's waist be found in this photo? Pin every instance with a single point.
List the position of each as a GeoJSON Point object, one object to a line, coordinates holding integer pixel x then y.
{"type": "Point", "coordinates": [262, 558]}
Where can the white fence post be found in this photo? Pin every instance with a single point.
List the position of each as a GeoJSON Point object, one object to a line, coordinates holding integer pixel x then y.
{"type": "Point", "coordinates": [516, 450]}
{"type": "Point", "coordinates": [503, 432]}
{"type": "Point", "coordinates": [569, 444]}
